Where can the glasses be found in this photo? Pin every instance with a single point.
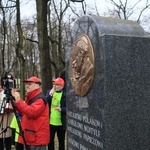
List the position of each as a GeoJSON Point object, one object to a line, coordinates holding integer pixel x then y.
{"type": "Point", "coordinates": [29, 83]}
{"type": "Point", "coordinates": [57, 84]}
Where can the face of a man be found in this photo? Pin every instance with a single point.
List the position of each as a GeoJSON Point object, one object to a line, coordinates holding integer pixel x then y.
{"type": "Point", "coordinates": [31, 86]}
{"type": "Point", "coordinates": [57, 87]}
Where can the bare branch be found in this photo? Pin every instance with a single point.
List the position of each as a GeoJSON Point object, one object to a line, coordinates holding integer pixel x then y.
{"type": "Point", "coordinates": [146, 6]}
{"type": "Point", "coordinates": [31, 40]}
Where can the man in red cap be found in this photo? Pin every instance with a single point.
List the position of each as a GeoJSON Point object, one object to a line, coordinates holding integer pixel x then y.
{"type": "Point", "coordinates": [57, 101]}
{"type": "Point", "coordinates": [35, 115]}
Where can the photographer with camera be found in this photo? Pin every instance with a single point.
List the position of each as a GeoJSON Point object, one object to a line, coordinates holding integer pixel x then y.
{"type": "Point", "coordinates": [35, 115]}
{"type": "Point", "coordinates": [5, 119]}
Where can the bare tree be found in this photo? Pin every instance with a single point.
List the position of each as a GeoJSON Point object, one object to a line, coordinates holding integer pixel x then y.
{"type": "Point", "coordinates": [3, 31]}
{"type": "Point", "coordinates": [30, 49]}
{"type": "Point", "coordinates": [57, 10]}
{"type": "Point", "coordinates": [19, 48]}
{"type": "Point", "coordinates": [125, 9]}
{"type": "Point", "coordinates": [43, 43]}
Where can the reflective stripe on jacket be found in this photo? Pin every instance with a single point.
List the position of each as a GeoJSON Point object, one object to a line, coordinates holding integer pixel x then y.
{"type": "Point", "coordinates": [35, 120]}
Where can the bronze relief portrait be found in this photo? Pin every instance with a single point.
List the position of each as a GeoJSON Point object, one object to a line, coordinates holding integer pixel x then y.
{"type": "Point", "coordinates": [82, 65]}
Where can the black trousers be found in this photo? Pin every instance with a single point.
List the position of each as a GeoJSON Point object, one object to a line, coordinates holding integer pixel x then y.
{"type": "Point", "coordinates": [7, 144]}
{"type": "Point", "coordinates": [60, 135]}
{"type": "Point", "coordinates": [19, 146]}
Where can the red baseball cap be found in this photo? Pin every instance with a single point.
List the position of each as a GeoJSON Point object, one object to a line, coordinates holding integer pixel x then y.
{"type": "Point", "coordinates": [59, 81]}
{"type": "Point", "coordinates": [33, 79]}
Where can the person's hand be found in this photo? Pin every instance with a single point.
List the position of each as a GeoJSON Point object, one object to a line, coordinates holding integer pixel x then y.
{"type": "Point", "coordinates": [58, 109]}
{"type": "Point", "coordinates": [52, 91]}
{"type": "Point", "coordinates": [16, 95]}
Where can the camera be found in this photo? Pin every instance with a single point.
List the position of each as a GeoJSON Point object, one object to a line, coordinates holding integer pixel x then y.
{"type": "Point", "coordinates": [8, 82]}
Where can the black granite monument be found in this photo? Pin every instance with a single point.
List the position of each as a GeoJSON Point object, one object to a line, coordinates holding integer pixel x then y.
{"type": "Point", "coordinates": [108, 85]}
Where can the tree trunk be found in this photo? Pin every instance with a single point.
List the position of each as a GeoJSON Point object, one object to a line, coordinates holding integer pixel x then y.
{"type": "Point", "coordinates": [19, 48]}
{"type": "Point", "coordinates": [3, 38]}
{"type": "Point", "coordinates": [45, 65]}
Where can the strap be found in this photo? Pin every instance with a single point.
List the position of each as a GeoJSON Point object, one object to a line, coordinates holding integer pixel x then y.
{"type": "Point", "coordinates": [40, 95]}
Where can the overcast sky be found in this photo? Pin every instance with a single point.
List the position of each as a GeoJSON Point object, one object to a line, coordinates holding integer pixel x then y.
{"type": "Point", "coordinates": [28, 8]}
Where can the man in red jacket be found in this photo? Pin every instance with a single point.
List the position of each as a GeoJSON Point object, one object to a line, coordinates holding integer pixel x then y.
{"type": "Point", "coordinates": [35, 115]}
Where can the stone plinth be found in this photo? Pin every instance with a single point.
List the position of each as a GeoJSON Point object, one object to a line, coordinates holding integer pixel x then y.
{"type": "Point", "coordinates": [115, 112]}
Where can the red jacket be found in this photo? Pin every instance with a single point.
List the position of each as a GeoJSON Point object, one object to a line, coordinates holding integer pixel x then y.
{"type": "Point", "coordinates": [35, 120]}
